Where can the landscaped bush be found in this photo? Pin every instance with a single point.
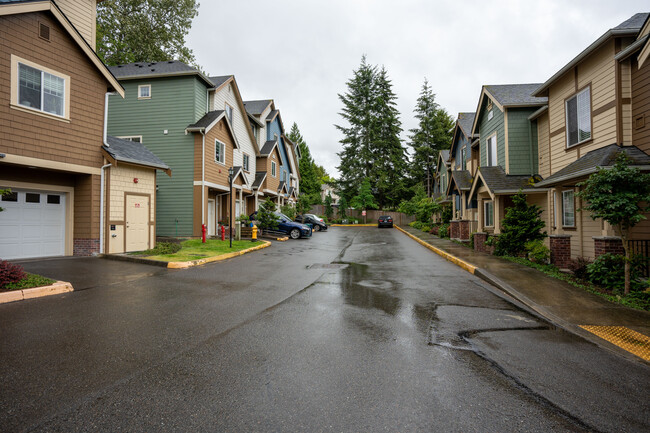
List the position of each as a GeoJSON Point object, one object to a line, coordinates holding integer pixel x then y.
{"type": "Point", "coordinates": [537, 251]}
{"type": "Point", "coordinates": [521, 224]}
{"type": "Point", "coordinates": [163, 248]}
{"type": "Point", "coordinates": [608, 271]}
{"type": "Point", "coordinates": [579, 267]}
{"type": "Point", "coordinates": [443, 231]}
{"type": "Point", "coordinates": [289, 211]}
{"type": "Point", "coordinates": [10, 273]}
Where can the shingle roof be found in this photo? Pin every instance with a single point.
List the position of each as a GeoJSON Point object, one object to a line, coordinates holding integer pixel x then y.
{"type": "Point", "coordinates": [259, 178]}
{"type": "Point", "coordinates": [283, 185]}
{"type": "Point", "coordinates": [497, 181]}
{"type": "Point", "coordinates": [635, 22]}
{"type": "Point", "coordinates": [272, 115]}
{"type": "Point", "coordinates": [206, 120]}
{"type": "Point", "coordinates": [268, 147]}
{"type": "Point", "coordinates": [445, 155]}
{"type": "Point", "coordinates": [257, 107]}
{"type": "Point", "coordinates": [170, 67]}
{"type": "Point", "coordinates": [463, 179]}
{"type": "Point", "coordinates": [218, 81]}
{"type": "Point", "coordinates": [516, 94]}
{"type": "Point", "coordinates": [132, 152]}
{"type": "Point", "coordinates": [589, 163]}
{"type": "Point", "coordinates": [465, 121]}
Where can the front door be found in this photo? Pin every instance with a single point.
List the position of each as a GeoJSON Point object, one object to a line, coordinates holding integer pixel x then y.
{"type": "Point", "coordinates": [137, 222]}
{"type": "Point", "coordinates": [212, 218]}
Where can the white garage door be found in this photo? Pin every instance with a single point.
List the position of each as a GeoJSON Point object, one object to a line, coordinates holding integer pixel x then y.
{"type": "Point", "coordinates": [32, 224]}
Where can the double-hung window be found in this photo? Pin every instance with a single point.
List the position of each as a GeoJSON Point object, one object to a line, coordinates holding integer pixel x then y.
{"type": "Point", "coordinates": [273, 168]}
{"type": "Point", "coordinates": [568, 209]}
{"type": "Point", "coordinates": [219, 152]}
{"type": "Point", "coordinates": [246, 163]}
{"type": "Point", "coordinates": [492, 150]}
{"type": "Point", "coordinates": [578, 118]}
{"type": "Point", "coordinates": [144, 91]}
{"type": "Point", "coordinates": [488, 213]}
{"type": "Point", "coordinates": [41, 90]}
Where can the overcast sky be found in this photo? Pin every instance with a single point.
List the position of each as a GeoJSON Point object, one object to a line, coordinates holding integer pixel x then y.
{"type": "Point", "coordinates": [301, 53]}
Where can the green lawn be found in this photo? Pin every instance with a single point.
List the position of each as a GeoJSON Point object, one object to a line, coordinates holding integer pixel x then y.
{"type": "Point", "coordinates": [194, 249]}
{"type": "Point", "coordinates": [31, 280]}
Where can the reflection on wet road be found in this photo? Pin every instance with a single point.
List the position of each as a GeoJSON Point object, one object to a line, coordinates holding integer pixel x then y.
{"type": "Point", "coordinates": [353, 330]}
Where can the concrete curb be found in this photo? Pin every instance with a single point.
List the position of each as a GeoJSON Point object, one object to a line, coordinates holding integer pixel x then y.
{"type": "Point", "coordinates": [463, 264]}
{"type": "Point", "coordinates": [353, 225]}
{"type": "Point", "coordinates": [184, 265]}
{"type": "Point", "coordinates": [36, 292]}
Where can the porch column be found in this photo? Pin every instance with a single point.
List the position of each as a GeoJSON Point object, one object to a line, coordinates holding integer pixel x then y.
{"type": "Point", "coordinates": [479, 227]}
{"type": "Point", "coordinates": [256, 201]}
{"type": "Point", "coordinates": [241, 199]}
{"type": "Point", "coordinates": [497, 214]}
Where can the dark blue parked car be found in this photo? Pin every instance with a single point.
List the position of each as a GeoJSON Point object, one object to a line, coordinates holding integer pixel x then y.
{"type": "Point", "coordinates": [292, 229]}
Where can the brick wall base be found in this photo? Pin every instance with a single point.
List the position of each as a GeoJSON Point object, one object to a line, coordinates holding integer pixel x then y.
{"type": "Point", "coordinates": [608, 244]}
{"type": "Point", "coordinates": [85, 247]}
{"type": "Point", "coordinates": [479, 243]}
{"type": "Point", "coordinates": [454, 229]}
{"type": "Point", "coordinates": [463, 227]}
{"type": "Point", "coordinates": [560, 246]}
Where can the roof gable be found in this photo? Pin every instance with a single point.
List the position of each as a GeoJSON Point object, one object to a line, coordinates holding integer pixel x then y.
{"type": "Point", "coordinates": [169, 68]}
{"type": "Point", "coordinates": [132, 152]}
{"type": "Point", "coordinates": [14, 8]}
{"type": "Point", "coordinates": [209, 120]}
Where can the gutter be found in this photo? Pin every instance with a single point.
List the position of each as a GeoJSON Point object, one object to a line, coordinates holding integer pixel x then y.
{"type": "Point", "coordinates": [102, 181]}
{"type": "Point", "coordinates": [583, 173]}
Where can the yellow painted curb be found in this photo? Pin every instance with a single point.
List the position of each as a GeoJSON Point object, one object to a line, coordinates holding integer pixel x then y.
{"type": "Point", "coordinates": [183, 265]}
{"type": "Point", "coordinates": [353, 225]}
{"type": "Point", "coordinates": [36, 292]}
{"type": "Point", "coordinates": [625, 338]}
{"type": "Point", "coordinates": [463, 264]}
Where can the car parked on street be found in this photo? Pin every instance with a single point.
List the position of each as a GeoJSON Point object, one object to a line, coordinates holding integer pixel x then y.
{"type": "Point", "coordinates": [385, 221]}
{"type": "Point", "coordinates": [317, 223]}
{"type": "Point", "coordinates": [293, 229]}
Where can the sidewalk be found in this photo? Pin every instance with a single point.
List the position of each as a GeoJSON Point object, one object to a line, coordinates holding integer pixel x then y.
{"type": "Point", "coordinates": [556, 301]}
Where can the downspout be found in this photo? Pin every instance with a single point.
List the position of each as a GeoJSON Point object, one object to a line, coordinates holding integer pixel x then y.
{"type": "Point", "coordinates": [104, 167]}
{"type": "Point", "coordinates": [530, 146]}
{"type": "Point", "coordinates": [202, 178]}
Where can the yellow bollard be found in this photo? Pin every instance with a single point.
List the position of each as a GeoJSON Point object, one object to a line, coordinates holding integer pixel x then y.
{"type": "Point", "coordinates": [254, 235]}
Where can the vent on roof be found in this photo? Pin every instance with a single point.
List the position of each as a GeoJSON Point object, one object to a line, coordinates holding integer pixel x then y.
{"type": "Point", "coordinates": [44, 31]}
{"type": "Point", "coordinates": [153, 69]}
{"type": "Point", "coordinates": [170, 62]}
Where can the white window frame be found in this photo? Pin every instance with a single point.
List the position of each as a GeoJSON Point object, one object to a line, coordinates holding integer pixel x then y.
{"type": "Point", "coordinates": [144, 86]}
{"type": "Point", "coordinates": [131, 138]}
{"type": "Point", "coordinates": [274, 170]}
{"type": "Point", "coordinates": [15, 89]}
{"type": "Point", "coordinates": [491, 143]}
{"type": "Point", "coordinates": [487, 223]}
{"type": "Point", "coordinates": [555, 219]}
{"type": "Point", "coordinates": [222, 152]}
{"type": "Point", "coordinates": [572, 212]}
{"type": "Point", "coordinates": [246, 162]}
{"type": "Point", "coordinates": [583, 116]}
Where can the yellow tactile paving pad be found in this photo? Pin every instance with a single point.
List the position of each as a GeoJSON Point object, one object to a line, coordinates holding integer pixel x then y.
{"type": "Point", "coordinates": [625, 338]}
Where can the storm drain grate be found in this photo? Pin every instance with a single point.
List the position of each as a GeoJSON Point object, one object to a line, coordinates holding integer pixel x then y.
{"type": "Point", "coordinates": [623, 337]}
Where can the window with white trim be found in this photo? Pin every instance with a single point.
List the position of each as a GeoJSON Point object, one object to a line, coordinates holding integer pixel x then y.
{"type": "Point", "coordinates": [144, 91]}
{"type": "Point", "coordinates": [219, 152]}
{"type": "Point", "coordinates": [246, 163]}
{"type": "Point", "coordinates": [229, 113]}
{"type": "Point", "coordinates": [578, 118]}
{"type": "Point", "coordinates": [273, 169]}
{"type": "Point", "coordinates": [488, 213]}
{"type": "Point", "coordinates": [41, 90]}
{"type": "Point", "coordinates": [568, 209]}
{"type": "Point", "coordinates": [492, 151]}
{"type": "Point", "coordinates": [134, 138]}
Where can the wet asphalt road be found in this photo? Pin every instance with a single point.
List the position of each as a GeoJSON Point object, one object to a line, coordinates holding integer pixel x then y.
{"type": "Point", "coordinates": [356, 329]}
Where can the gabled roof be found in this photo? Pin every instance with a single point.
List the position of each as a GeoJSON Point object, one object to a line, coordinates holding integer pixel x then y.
{"type": "Point", "coordinates": [293, 161]}
{"type": "Point", "coordinates": [256, 108]}
{"type": "Point", "coordinates": [629, 27]}
{"type": "Point", "coordinates": [272, 115]}
{"type": "Point", "coordinates": [292, 192]}
{"type": "Point", "coordinates": [591, 161]}
{"type": "Point", "coordinates": [463, 126]}
{"type": "Point", "coordinates": [132, 152]}
{"type": "Point", "coordinates": [444, 156]}
{"type": "Point", "coordinates": [19, 7]}
{"type": "Point", "coordinates": [239, 172]}
{"type": "Point", "coordinates": [461, 178]}
{"type": "Point", "coordinates": [208, 121]}
{"type": "Point", "coordinates": [220, 81]}
{"type": "Point", "coordinates": [508, 95]}
{"type": "Point", "coordinates": [268, 147]}
{"type": "Point", "coordinates": [498, 182]}
{"type": "Point", "coordinates": [168, 68]}
{"type": "Point", "coordinates": [260, 176]}
{"type": "Point", "coordinates": [282, 186]}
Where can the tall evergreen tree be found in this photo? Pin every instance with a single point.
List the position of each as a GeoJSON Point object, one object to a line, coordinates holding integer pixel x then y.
{"type": "Point", "coordinates": [372, 148]}
{"type": "Point", "coordinates": [310, 182]}
{"type": "Point", "coordinates": [433, 133]}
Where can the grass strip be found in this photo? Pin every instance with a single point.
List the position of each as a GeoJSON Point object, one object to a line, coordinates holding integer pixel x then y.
{"type": "Point", "coordinates": [194, 249]}
{"type": "Point", "coordinates": [30, 281]}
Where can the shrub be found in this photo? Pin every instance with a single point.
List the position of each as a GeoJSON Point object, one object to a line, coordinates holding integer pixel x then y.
{"type": "Point", "coordinates": [266, 216]}
{"type": "Point", "coordinates": [537, 251]}
{"type": "Point", "coordinates": [289, 211]}
{"type": "Point", "coordinates": [446, 214]}
{"type": "Point", "coordinates": [443, 231]}
{"type": "Point", "coordinates": [579, 267]}
{"type": "Point", "coordinates": [471, 240]}
{"type": "Point", "coordinates": [163, 248]}
{"type": "Point", "coordinates": [521, 224]}
{"type": "Point", "coordinates": [10, 273]}
{"type": "Point", "coordinates": [608, 271]}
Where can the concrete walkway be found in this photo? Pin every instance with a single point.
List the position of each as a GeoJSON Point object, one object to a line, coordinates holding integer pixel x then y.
{"type": "Point", "coordinates": [560, 303]}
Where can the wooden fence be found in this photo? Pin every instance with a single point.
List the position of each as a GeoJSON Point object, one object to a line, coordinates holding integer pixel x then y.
{"type": "Point", "coordinates": [371, 217]}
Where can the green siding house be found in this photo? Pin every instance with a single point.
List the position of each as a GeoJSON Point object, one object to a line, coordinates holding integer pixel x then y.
{"type": "Point", "coordinates": [506, 126]}
{"type": "Point", "coordinates": [161, 100]}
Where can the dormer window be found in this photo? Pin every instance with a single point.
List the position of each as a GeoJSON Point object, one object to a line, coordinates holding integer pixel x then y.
{"type": "Point", "coordinates": [144, 91]}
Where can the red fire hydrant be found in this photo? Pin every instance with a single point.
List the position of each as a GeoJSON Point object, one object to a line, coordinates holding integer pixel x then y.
{"type": "Point", "coordinates": [223, 233]}
{"type": "Point", "coordinates": [203, 230]}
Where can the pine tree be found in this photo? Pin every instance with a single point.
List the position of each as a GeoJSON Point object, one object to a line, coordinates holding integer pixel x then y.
{"type": "Point", "coordinates": [521, 224]}
{"type": "Point", "coordinates": [310, 182]}
{"type": "Point", "coordinates": [433, 133]}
